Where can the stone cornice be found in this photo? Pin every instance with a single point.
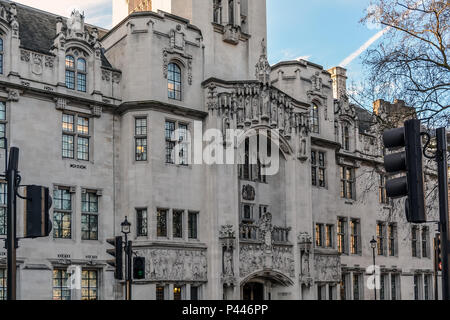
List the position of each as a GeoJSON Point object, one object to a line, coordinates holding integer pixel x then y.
{"type": "Point", "coordinates": [160, 106]}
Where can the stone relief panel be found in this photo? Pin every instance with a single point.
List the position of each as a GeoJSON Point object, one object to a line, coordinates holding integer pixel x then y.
{"type": "Point", "coordinates": [252, 258]}
{"type": "Point", "coordinates": [327, 268]}
{"type": "Point", "coordinates": [175, 264]}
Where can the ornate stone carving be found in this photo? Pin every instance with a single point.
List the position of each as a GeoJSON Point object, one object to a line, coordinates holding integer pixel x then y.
{"type": "Point", "coordinates": [49, 62]}
{"type": "Point", "coordinates": [227, 232]}
{"type": "Point", "coordinates": [37, 66]}
{"type": "Point", "coordinates": [263, 67]}
{"type": "Point", "coordinates": [232, 34]}
{"type": "Point", "coordinates": [248, 193]}
{"type": "Point", "coordinates": [61, 103]}
{"type": "Point", "coordinates": [13, 95]}
{"type": "Point", "coordinates": [96, 111]}
{"type": "Point", "coordinates": [116, 77]}
{"type": "Point", "coordinates": [25, 55]}
{"type": "Point", "coordinates": [266, 228]}
{"type": "Point", "coordinates": [175, 264]}
{"type": "Point", "coordinates": [177, 39]}
{"type": "Point", "coordinates": [317, 82]}
{"type": "Point", "coordinates": [227, 239]}
{"type": "Point", "coordinates": [253, 258]}
{"type": "Point", "coordinates": [327, 267]}
{"type": "Point", "coordinates": [106, 75]}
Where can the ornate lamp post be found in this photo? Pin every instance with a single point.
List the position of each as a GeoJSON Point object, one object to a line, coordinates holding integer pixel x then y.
{"type": "Point", "coordinates": [373, 245]}
{"type": "Point", "coordinates": [126, 230]}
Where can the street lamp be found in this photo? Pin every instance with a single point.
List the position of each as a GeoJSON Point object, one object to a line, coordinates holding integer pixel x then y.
{"type": "Point", "coordinates": [373, 245]}
{"type": "Point", "coordinates": [126, 230]}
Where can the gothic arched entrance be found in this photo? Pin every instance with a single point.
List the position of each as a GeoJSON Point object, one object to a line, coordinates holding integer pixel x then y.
{"type": "Point", "coordinates": [261, 285]}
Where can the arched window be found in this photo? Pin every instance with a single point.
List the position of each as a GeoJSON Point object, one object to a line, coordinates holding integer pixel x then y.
{"type": "Point", "coordinates": [346, 137]}
{"type": "Point", "coordinates": [315, 126]}
{"type": "Point", "coordinates": [217, 15]}
{"type": "Point", "coordinates": [1, 56]}
{"type": "Point", "coordinates": [76, 69]}
{"type": "Point", "coordinates": [174, 81]}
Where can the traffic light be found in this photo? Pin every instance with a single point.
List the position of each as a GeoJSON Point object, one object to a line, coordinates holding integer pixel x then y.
{"type": "Point", "coordinates": [438, 252]}
{"type": "Point", "coordinates": [138, 268]}
{"type": "Point", "coordinates": [117, 253]}
{"type": "Point", "coordinates": [37, 223]}
{"type": "Point", "coordinates": [409, 161]}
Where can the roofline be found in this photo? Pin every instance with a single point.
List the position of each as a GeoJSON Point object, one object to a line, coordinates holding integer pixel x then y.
{"type": "Point", "coordinates": [299, 63]}
{"type": "Point", "coordinates": [161, 15]}
{"type": "Point", "coordinates": [49, 13]}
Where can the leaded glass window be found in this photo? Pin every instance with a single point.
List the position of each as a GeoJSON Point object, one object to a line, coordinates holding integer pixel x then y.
{"type": "Point", "coordinates": [315, 121]}
{"type": "Point", "coordinates": [80, 136]}
{"type": "Point", "coordinates": [346, 137]}
{"type": "Point", "coordinates": [394, 278]}
{"type": "Point", "coordinates": [62, 214]}
{"type": "Point", "coordinates": [3, 284]}
{"type": "Point", "coordinates": [347, 182]}
{"type": "Point", "coordinates": [89, 216]}
{"type": "Point", "coordinates": [319, 235]}
{"type": "Point", "coordinates": [140, 136]}
{"type": "Point", "coordinates": [1, 56]}
{"type": "Point", "coordinates": [425, 247]}
{"type": "Point", "coordinates": [76, 73]}
{"type": "Point", "coordinates": [2, 124]}
{"type": "Point", "coordinates": [61, 288]}
{"type": "Point", "coordinates": [341, 235]}
{"type": "Point", "coordinates": [183, 144]}
{"type": "Point", "coordinates": [392, 234]}
{"type": "Point", "coordinates": [170, 142]}
{"type": "Point", "coordinates": [414, 241]}
{"type": "Point", "coordinates": [380, 238]}
{"type": "Point", "coordinates": [174, 81]}
{"type": "Point", "coordinates": [193, 225]}
{"type": "Point", "coordinates": [354, 237]}
{"type": "Point", "coordinates": [161, 220]}
{"type": "Point", "coordinates": [141, 223]}
{"type": "Point", "coordinates": [89, 285]}
{"type": "Point", "coordinates": [3, 195]}
{"type": "Point", "coordinates": [382, 190]}
{"type": "Point", "coordinates": [177, 224]}
{"type": "Point", "coordinates": [356, 287]}
{"type": "Point", "coordinates": [329, 236]}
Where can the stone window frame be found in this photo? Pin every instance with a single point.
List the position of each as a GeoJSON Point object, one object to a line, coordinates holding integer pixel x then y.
{"type": "Point", "coordinates": [418, 286]}
{"type": "Point", "coordinates": [425, 242]}
{"type": "Point", "coordinates": [357, 279]}
{"type": "Point", "coordinates": [342, 236]}
{"type": "Point", "coordinates": [346, 138]}
{"type": "Point", "coordinates": [3, 206]}
{"type": "Point", "coordinates": [347, 182]}
{"type": "Point", "coordinates": [73, 72]}
{"type": "Point", "coordinates": [197, 220]}
{"type": "Point", "coordinates": [217, 11]}
{"type": "Point", "coordinates": [3, 122]}
{"type": "Point", "coordinates": [182, 213]}
{"type": "Point", "coordinates": [178, 94]}
{"type": "Point", "coordinates": [382, 192]}
{"type": "Point", "coordinates": [60, 278]}
{"type": "Point", "coordinates": [167, 214]}
{"type": "Point", "coordinates": [315, 118]}
{"type": "Point", "coordinates": [415, 241]}
{"type": "Point", "coordinates": [392, 242]}
{"type": "Point", "coordinates": [428, 290]}
{"type": "Point", "coordinates": [77, 135]}
{"type": "Point", "coordinates": [140, 136]}
{"type": "Point", "coordinates": [381, 232]}
{"type": "Point", "coordinates": [319, 167]}
{"type": "Point", "coordinates": [71, 191]}
{"type": "Point", "coordinates": [139, 223]}
{"type": "Point", "coordinates": [2, 55]}
{"type": "Point", "coordinates": [395, 279]}
{"type": "Point", "coordinates": [355, 239]}
{"type": "Point", "coordinates": [98, 193]}
{"type": "Point", "coordinates": [243, 219]}
{"type": "Point", "coordinates": [175, 140]}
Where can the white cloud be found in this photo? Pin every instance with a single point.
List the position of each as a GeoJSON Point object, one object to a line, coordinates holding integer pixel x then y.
{"type": "Point", "coordinates": [95, 10]}
{"type": "Point", "coordinates": [363, 48]}
{"type": "Point", "coordinates": [303, 58]}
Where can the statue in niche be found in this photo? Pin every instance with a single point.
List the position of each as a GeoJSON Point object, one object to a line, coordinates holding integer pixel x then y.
{"type": "Point", "coordinates": [305, 264]}
{"type": "Point", "coordinates": [177, 38]}
{"type": "Point", "coordinates": [228, 262]}
{"type": "Point", "coordinates": [266, 228]}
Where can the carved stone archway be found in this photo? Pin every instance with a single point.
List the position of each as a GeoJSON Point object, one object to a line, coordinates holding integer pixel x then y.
{"type": "Point", "coordinates": [265, 279]}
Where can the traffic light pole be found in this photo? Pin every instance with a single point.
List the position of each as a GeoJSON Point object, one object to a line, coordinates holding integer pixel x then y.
{"type": "Point", "coordinates": [443, 210]}
{"type": "Point", "coordinates": [129, 281]}
{"type": "Point", "coordinates": [11, 239]}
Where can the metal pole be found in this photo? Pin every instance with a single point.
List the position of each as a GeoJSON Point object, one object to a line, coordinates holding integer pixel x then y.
{"type": "Point", "coordinates": [11, 240]}
{"type": "Point", "coordinates": [443, 209]}
{"type": "Point", "coordinates": [129, 262]}
{"type": "Point", "coordinates": [127, 293]}
{"type": "Point", "coordinates": [436, 269]}
{"type": "Point", "coordinates": [374, 271]}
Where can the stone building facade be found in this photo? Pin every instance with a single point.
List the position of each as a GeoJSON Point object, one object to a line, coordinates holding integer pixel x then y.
{"type": "Point", "coordinates": [104, 118]}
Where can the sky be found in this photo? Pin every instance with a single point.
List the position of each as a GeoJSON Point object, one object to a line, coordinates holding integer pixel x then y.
{"type": "Point", "coordinates": [326, 32]}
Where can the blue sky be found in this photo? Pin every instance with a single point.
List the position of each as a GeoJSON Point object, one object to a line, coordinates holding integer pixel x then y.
{"type": "Point", "coordinates": [323, 31]}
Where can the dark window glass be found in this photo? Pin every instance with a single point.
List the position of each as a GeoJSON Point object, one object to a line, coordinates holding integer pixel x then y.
{"type": "Point", "coordinates": [170, 142]}
{"type": "Point", "coordinates": [178, 224]}
{"type": "Point", "coordinates": [159, 293]}
{"type": "Point", "coordinates": [380, 238]}
{"type": "Point", "coordinates": [315, 127]}
{"type": "Point", "coordinates": [142, 228]}
{"type": "Point", "coordinates": [193, 225]}
{"type": "Point", "coordinates": [3, 285]}
{"type": "Point", "coordinates": [161, 219]}
{"type": "Point", "coordinates": [356, 287]}
{"type": "Point", "coordinates": [81, 82]}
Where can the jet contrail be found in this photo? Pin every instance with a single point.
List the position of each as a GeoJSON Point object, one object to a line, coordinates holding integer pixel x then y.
{"type": "Point", "coordinates": [363, 48]}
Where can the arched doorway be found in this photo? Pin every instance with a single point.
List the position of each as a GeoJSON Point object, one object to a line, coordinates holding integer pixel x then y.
{"type": "Point", "coordinates": [253, 291]}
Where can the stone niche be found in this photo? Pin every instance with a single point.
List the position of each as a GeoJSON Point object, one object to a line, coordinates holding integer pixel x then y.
{"type": "Point", "coordinates": [175, 264]}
